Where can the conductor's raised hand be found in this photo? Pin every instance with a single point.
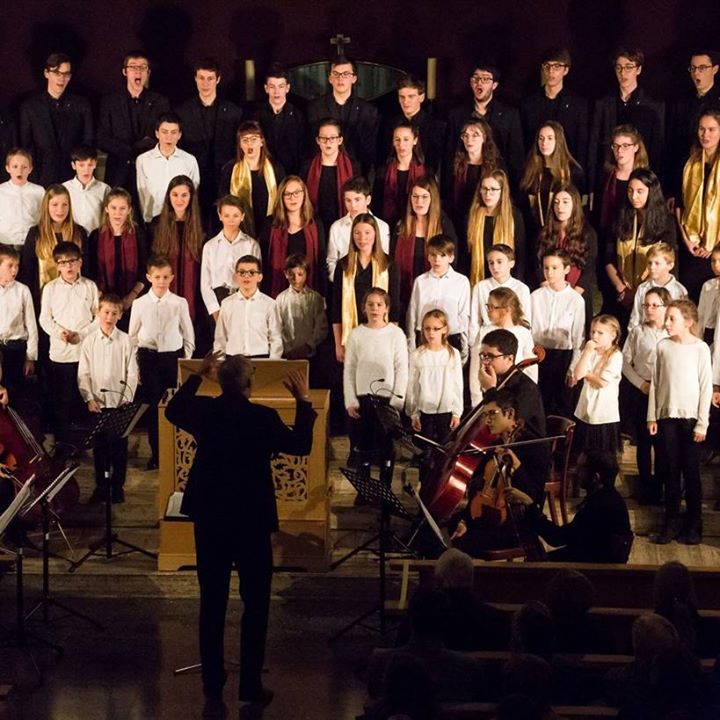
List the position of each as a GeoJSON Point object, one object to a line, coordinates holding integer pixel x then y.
{"type": "Point", "coordinates": [210, 365]}
{"type": "Point", "coordinates": [297, 385]}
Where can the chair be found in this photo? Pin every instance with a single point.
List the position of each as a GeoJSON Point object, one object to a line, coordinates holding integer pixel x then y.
{"type": "Point", "coordinates": [556, 487]}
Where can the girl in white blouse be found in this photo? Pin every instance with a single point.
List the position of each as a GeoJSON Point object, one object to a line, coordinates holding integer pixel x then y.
{"type": "Point", "coordinates": [435, 385]}
{"type": "Point", "coordinates": [600, 366]}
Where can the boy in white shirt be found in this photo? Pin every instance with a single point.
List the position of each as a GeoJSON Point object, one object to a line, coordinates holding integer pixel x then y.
{"type": "Point", "coordinates": [87, 194]}
{"type": "Point", "coordinates": [558, 324]}
{"type": "Point", "coordinates": [67, 314]}
{"type": "Point", "coordinates": [302, 312]}
{"type": "Point", "coordinates": [357, 198]}
{"type": "Point", "coordinates": [20, 200]}
{"type": "Point", "coordinates": [441, 288]}
{"type": "Point", "coordinates": [221, 253]}
{"type": "Point", "coordinates": [18, 328]}
{"type": "Point", "coordinates": [660, 262]}
{"type": "Point", "coordinates": [107, 378]}
{"type": "Point", "coordinates": [162, 332]}
{"type": "Point", "coordinates": [249, 321]}
{"type": "Point", "coordinates": [157, 167]}
{"type": "Point", "coordinates": [501, 261]}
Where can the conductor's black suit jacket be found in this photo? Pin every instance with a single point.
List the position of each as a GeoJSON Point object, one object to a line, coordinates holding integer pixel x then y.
{"type": "Point", "coordinates": [231, 480]}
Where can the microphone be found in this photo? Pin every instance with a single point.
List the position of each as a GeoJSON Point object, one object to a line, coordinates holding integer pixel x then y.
{"type": "Point", "coordinates": [117, 392]}
{"type": "Point", "coordinates": [385, 389]}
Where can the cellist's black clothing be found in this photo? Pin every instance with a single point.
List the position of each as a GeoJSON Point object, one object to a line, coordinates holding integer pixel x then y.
{"type": "Point", "coordinates": [529, 401]}
{"type": "Point", "coordinates": [530, 477]}
{"type": "Point", "coordinates": [230, 498]}
{"type": "Point", "coordinates": [599, 533]}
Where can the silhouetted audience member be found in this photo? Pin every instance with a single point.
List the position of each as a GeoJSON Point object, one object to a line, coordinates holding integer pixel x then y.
{"type": "Point", "coordinates": [457, 677]}
{"type": "Point", "coordinates": [569, 596]}
{"type": "Point", "coordinates": [528, 675]}
{"type": "Point", "coordinates": [533, 631]}
{"type": "Point", "coordinates": [674, 599]}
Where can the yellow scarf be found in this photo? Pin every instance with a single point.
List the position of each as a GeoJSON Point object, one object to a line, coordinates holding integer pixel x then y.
{"type": "Point", "coordinates": [380, 278]}
{"type": "Point", "coordinates": [632, 257]}
{"type": "Point", "coordinates": [47, 271]}
{"type": "Point", "coordinates": [701, 202]}
{"type": "Point", "coordinates": [476, 243]}
{"type": "Point", "coordinates": [241, 186]}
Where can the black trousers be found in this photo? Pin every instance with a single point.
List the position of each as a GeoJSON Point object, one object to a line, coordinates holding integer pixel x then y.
{"type": "Point", "coordinates": [67, 401]}
{"type": "Point", "coordinates": [219, 549]}
{"type": "Point", "coordinates": [366, 435]}
{"type": "Point", "coordinates": [158, 372]}
{"type": "Point", "coordinates": [680, 455]}
{"type": "Point", "coordinates": [13, 355]}
{"type": "Point", "coordinates": [552, 372]}
{"type": "Point", "coordinates": [652, 483]}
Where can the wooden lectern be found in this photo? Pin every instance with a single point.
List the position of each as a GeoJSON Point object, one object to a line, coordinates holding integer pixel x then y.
{"type": "Point", "coordinates": [301, 483]}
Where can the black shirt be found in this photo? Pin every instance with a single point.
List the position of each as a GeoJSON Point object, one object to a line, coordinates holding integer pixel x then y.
{"type": "Point", "coordinates": [363, 282]}
{"type": "Point", "coordinates": [328, 195]}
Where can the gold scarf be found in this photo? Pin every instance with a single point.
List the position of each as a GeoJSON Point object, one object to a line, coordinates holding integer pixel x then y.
{"type": "Point", "coordinates": [380, 278]}
{"type": "Point", "coordinates": [701, 202]}
{"type": "Point", "coordinates": [47, 271]}
{"type": "Point", "coordinates": [632, 257]}
{"type": "Point", "coordinates": [476, 243]}
{"type": "Point", "coordinates": [241, 186]}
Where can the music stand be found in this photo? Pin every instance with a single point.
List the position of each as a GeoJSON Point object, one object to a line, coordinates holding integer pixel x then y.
{"type": "Point", "coordinates": [112, 424]}
{"type": "Point", "coordinates": [12, 512]}
{"type": "Point", "coordinates": [44, 499]}
{"type": "Point", "coordinates": [379, 495]}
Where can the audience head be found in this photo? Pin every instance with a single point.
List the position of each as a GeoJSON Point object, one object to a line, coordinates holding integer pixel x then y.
{"type": "Point", "coordinates": [408, 690]}
{"type": "Point", "coordinates": [533, 630]}
{"type": "Point", "coordinates": [454, 570]}
{"type": "Point", "coordinates": [653, 635]}
{"type": "Point", "coordinates": [569, 596]}
{"type": "Point", "coordinates": [673, 581]}
{"type": "Point", "coordinates": [528, 675]}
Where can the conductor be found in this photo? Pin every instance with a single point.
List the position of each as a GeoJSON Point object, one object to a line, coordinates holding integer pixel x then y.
{"type": "Point", "coordinates": [230, 498]}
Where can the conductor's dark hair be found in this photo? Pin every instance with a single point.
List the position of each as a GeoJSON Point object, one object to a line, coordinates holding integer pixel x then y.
{"type": "Point", "coordinates": [604, 464]}
{"type": "Point", "coordinates": [503, 340]}
{"type": "Point", "coordinates": [235, 375]}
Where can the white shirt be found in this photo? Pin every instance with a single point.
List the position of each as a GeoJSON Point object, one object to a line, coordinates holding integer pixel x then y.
{"type": "Point", "coordinates": [524, 352]}
{"type": "Point", "coordinates": [87, 202]}
{"type": "Point", "coordinates": [219, 257]}
{"type": "Point", "coordinates": [162, 323]}
{"type": "Point", "coordinates": [449, 293]}
{"type": "Point", "coordinates": [154, 173]}
{"type": "Point", "coordinates": [674, 287]}
{"type": "Point", "coordinates": [17, 317]}
{"type": "Point", "coordinates": [709, 304]}
{"type": "Point", "coordinates": [373, 355]}
{"type": "Point", "coordinates": [249, 326]}
{"type": "Point", "coordinates": [435, 384]}
{"type": "Point", "coordinates": [19, 210]}
{"type": "Point", "coordinates": [558, 319]}
{"type": "Point", "coordinates": [681, 385]}
{"type": "Point", "coordinates": [597, 406]}
{"type": "Point", "coordinates": [481, 296]}
{"type": "Point", "coordinates": [303, 319]}
{"type": "Point", "coordinates": [640, 352]}
{"type": "Point", "coordinates": [339, 241]}
{"type": "Point", "coordinates": [107, 362]}
{"type": "Point", "coordinates": [68, 306]}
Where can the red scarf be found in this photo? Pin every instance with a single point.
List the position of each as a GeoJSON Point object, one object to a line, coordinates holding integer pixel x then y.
{"type": "Point", "coordinates": [575, 272]}
{"type": "Point", "coordinates": [609, 204]}
{"type": "Point", "coordinates": [187, 278]}
{"type": "Point", "coordinates": [404, 260]}
{"type": "Point", "coordinates": [393, 206]}
{"type": "Point", "coordinates": [106, 261]}
{"type": "Point", "coordinates": [344, 171]}
{"type": "Point", "coordinates": [278, 254]}
{"type": "Point", "coordinates": [459, 183]}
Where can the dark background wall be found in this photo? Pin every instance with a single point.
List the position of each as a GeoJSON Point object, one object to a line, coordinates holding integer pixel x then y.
{"type": "Point", "coordinates": [403, 34]}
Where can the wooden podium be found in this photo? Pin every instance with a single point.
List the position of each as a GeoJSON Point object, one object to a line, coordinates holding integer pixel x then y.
{"type": "Point", "coordinates": [301, 483]}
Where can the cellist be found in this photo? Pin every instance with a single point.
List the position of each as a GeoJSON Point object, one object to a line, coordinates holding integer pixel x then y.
{"type": "Point", "coordinates": [485, 523]}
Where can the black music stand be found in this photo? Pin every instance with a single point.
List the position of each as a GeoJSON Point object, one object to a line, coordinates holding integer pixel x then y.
{"type": "Point", "coordinates": [43, 500]}
{"type": "Point", "coordinates": [112, 424]}
{"type": "Point", "coordinates": [14, 511]}
{"type": "Point", "coordinates": [377, 494]}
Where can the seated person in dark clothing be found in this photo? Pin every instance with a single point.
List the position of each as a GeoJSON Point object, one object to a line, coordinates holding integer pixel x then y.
{"type": "Point", "coordinates": [498, 370]}
{"type": "Point", "coordinates": [482, 524]}
{"type": "Point", "coordinates": [569, 596]}
{"type": "Point", "coordinates": [457, 677]}
{"type": "Point", "coordinates": [600, 531]}
{"type": "Point", "coordinates": [674, 598]}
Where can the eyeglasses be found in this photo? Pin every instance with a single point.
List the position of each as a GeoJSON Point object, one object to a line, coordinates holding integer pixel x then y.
{"type": "Point", "coordinates": [622, 146]}
{"type": "Point", "coordinates": [60, 73]}
{"type": "Point", "coordinates": [250, 139]}
{"type": "Point", "coordinates": [629, 67]}
{"type": "Point", "coordinates": [247, 273]}
{"type": "Point", "coordinates": [328, 138]}
{"type": "Point", "coordinates": [420, 198]}
{"type": "Point", "coordinates": [137, 68]}
{"type": "Point", "coordinates": [553, 66]}
{"type": "Point", "coordinates": [481, 80]}
{"type": "Point", "coordinates": [489, 413]}
{"type": "Point", "coordinates": [293, 193]}
{"type": "Point", "coordinates": [70, 261]}
{"type": "Point", "coordinates": [699, 68]}
{"type": "Point", "coordinates": [344, 75]}
{"type": "Point", "coordinates": [486, 189]}
{"type": "Point", "coordinates": [647, 306]}
{"type": "Point", "coordinates": [470, 135]}
{"type": "Point", "coordinates": [485, 357]}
